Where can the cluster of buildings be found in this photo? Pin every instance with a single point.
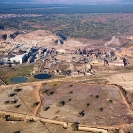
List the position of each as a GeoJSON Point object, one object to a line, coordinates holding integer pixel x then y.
{"type": "Point", "coordinates": [19, 54]}
{"type": "Point", "coordinates": [79, 60]}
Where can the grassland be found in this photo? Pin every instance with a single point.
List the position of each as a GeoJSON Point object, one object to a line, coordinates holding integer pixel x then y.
{"type": "Point", "coordinates": [7, 75]}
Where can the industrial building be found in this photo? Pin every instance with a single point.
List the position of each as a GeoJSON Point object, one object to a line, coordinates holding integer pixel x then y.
{"type": "Point", "coordinates": [19, 59]}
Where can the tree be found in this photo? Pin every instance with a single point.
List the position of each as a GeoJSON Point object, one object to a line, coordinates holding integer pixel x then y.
{"type": "Point", "coordinates": [2, 27]}
{"type": "Point", "coordinates": [35, 104]}
{"type": "Point", "coordinates": [46, 108]}
{"type": "Point", "coordinates": [4, 36]}
{"type": "Point", "coordinates": [74, 126]}
{"type": "Point", "coordinates": [62, 103]}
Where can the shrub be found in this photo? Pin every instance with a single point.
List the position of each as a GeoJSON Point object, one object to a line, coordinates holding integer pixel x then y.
{"type": "Point", "coordinates": [46, 108]}
{"type": "Point", "coordinates": [74, 126]}
{"type": "Point", "coordinates": [62, 103]}
{"type": "Point", "coordinates": [11, 95]}
{"type": "Point", "coordinates": [81, 114]}
{"type": "Point", "coordinates": [17, 132]}
{"type": "Point", "coordinates": [17, 106]}
{"type": "Point", "coordinates": [13, 102]}
{"type": "Point", "coordinates": [49, 93]}
{"type": "Point", "coordinates": [35, 104]}
{"type": "Point", "coordinates": [70, 85]}
{"type": "Point", "coordinates": [45, 91]}
{"type": "Point", "coordinates": [87, 104]}
{"type": "Point", "coordinates": [17, 90]}
{"type": "Point", "coordinates": [101, 109]}
{"type": "Point", "coordinates": [69, 99]}
{"type": "Point", "coordinates": [71, 92]}
{"type": "Point", "coordinates": [31, 120]}
{"type": "Point", "coordinates": [7, 102]}
{"type": "Point", "coordinates": [95, 96]}
{"type": "Point", "coordinates": [110, 101]}
{"type": "Point", "coordinates": [54, 84]}
{"type": "Point", "coordinates": [4, 36]}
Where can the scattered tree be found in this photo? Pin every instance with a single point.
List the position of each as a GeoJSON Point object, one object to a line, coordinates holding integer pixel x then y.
{"type": "Point", "coordinates": [81, 114]}
{"type": "Point", "coordinates": [17, 90]}
{"type": "Point", "coordinates": [17, 132]}
{"type": "Point", "coordinates": [62, 103]}
{"type": "Point", "coordinates": [49, 93]}
{"type": "Point", "coordinates": [46, 108]}
{"type": "Point", "coordinates": [4, 36]}
{"type": "Point", "coordinates": [12, 94]}
{"type": "Point", "coordinates": [71, 92]}
{"type": "Point", "coordinates": [44, 91]}
{"type": "Point", "coordinates": [74, 126]}
{"type": "Point", "coordinates": [15, 101]}
{"type": "Point", "coordinates": [69, 99]}
{"type": "Point", "coordinates": [101, 109]}
{"type": "Point", "coordinates": [70, 85]}
{"type": "Point", "coordinates": [110, 101]}
{"type": "Point", "coordinates": [35, 104]}
{"type": "Point", "coordinates": [17, 106]}
{"type": "Point", "coordinates": [54, 84]}
{"type": "Point", "coordinates": [1, 27]}
{"type": "Point", "coordinates": [87, 104]}
{"type": "Point", "coordinates": [7, 102]}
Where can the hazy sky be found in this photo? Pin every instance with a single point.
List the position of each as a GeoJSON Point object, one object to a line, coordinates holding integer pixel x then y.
{"type": "Point", "coordinates": [70, 1]}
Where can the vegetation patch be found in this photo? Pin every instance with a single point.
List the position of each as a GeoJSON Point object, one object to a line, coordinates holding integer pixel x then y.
{"type": "Point", "coordinates": [74, 126]}
{"type": "Point", "coordinates": [7, 75]}
{"type": "Point", "coordinates": [61, 103]}
{"type": "Point", "coordinates": [35, 104]}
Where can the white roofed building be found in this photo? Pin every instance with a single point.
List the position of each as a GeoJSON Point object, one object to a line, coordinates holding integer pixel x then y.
{"type": "Point", "coordinates": [18, 59]}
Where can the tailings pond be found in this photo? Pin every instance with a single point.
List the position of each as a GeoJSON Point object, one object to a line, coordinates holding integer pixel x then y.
{"type": "Point", "coordinates": [43, 76]}
{"type": "Point", "coordinates": [19, 79]}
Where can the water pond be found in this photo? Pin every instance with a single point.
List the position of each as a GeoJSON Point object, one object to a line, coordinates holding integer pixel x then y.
{"type": "Point", "coordinates": [42, 76]}
{"type": "Point", "coordinates": [19, 79]}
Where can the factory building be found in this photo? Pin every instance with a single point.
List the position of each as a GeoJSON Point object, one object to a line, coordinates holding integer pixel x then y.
{"type": "Point", "coordinates": [19, 59]}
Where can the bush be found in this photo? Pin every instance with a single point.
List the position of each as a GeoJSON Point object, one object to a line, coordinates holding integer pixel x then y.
{"type": "Point", "coordinates": [110, 101]}
{"type": "Point", "coordinates": [17, 132]}
{"type": "Point", "coordinates": [62, 103]}
{"type": "Point", "coordinates": [70, 85]}
{"type": "Point", "coordinates": [101, 109]}
{"type": "Point", "coordinates": [7, 102]}
{"type": "Point", "coordinates": [1, 27]}
{"type": "Point", "coordinates": [87, 104]}
{"type": "Point", "coordinates": [71, 92]}
{"type": "Point", "coordinates": [44, 91]}
{"type": "Point", "coordinates": [17, 106]}
{"type": "Point", "coordinates": [4, 36]}
{"type": "Point", "coordinates": [12, 94]}
{"type": "Point", "coordinates": [49, 93]}
{"type": "Point", "coordinates": [95, 96]}
{"type": "Point", "coordinates": [46, 108]}
{"type": "Point", "coordinates": [17, 90]}
{"type": "Point", "coordinates": [74, 126]}
{"type": "Point", "coordinates": [54, 84]}
{"type": "Point", "coordinates": [13, 102]}
{"type": "Point", "coordinates": [69, 99]}
{"type": "Point", "coordinates": [81, 114]}
{"type": "Point", "coordinates": [35, 104]}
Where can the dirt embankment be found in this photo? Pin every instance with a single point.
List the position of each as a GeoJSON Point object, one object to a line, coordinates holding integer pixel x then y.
{"type": "Point", "coordinates": [38, 99]}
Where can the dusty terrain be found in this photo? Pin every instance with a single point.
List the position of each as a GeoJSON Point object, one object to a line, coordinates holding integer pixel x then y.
{"type": "Point", "coordinates": [99, 104]}
{"type": "Point", "coordinates": [21, 97]}
{"type": "Point", "coordinates": [91, 105]}
{"type": "Point", "coordinates": [104, 103]}
{"type": "Point", "coordinates": [32, 127]}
